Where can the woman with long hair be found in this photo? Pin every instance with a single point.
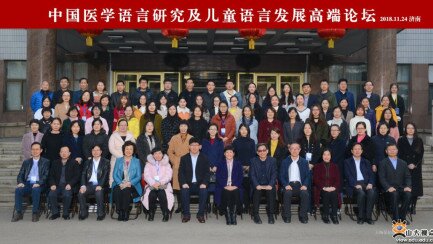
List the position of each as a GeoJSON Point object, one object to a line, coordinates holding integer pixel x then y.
{"type": "Point", "coordinates": [287, 99]}
{"type": "Point", "coordinates": [169, 126]}
{"type": "Point", "coordinates": [99, 92]}
{"type": "Point", "coordinates": [85, 105]}
{"type": "Point", "coordinates": [320, 126]}
{"type": "Point", "coordinates": [226, 124]}
{"type": "Point", "coordinates": [248, 120]}
{"type": "Point", "coordinates": [197, 124]}
{"type": "Point", "coordinates": [267, 124]}
{"type": "Point", "coordinates": [393, 126]}
{"type": "Point", "coordinates": [152, 115]}
{"type": "Point", "coordinates": [119, 110]}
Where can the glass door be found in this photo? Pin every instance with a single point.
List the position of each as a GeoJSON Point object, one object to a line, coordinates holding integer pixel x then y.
{"type": "Point", "coordinates": [130, 80]}
{"type": "Point", "coordinates": [155, 80]}
{"type": "Point", "coordinates": [295, 81]}
{"type": "Point", "coordinates": [264, 81]}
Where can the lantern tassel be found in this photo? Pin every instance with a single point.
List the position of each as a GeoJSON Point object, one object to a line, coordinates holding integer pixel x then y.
{"type": "Point", "coordinates": [251, 44]}
{"type": "Point", "coordinates": [174, 43]}
{"type": "Point", "coordinates": [331, 43]}
{"type": "Point", "coordinates": [89, 41]}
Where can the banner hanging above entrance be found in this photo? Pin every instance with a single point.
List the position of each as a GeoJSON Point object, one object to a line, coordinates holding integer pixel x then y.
{"type": "Point", "coordinates": [91, 14]}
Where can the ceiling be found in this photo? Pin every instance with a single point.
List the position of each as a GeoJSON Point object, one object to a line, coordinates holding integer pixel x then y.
{"type": "Point", "coordinates": [225, 41]}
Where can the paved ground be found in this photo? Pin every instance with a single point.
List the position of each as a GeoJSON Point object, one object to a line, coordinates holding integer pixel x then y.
{"type": "Point", "coordinates": [213, 231]}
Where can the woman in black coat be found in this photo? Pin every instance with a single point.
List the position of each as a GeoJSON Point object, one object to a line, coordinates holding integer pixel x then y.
{"type": "Point", "coordinates": [107, 112]}
{"type": "Point", "coordinates": [397, 103]}
{"type": "Point", "coordinates": [380, 141]}
{"type": "Point", "coordinates": [146, 142]}
{"type": "Point", "coordinates": [96, 137]}
{"type": "Point", "coordinates": [169, 126]}
{"type": "Point", "coordinates": [197, 124]}
{"type": "Point", "coordinates": [253, 102]}
{"type": "Point", "coordinates": [292, 128]}
{"type": "Point", "coordinates": [74, 140]}
{"type": "Point", "coordinates": [411, 150]}
{"type": "Point", "coordinates": [52, 141]}
{"type": "Point", "coordinates": [368, 150]}
{"type": "Point", "coordinates": [310, 145]}
{"type": "Point", "coordinates": [337, 146]}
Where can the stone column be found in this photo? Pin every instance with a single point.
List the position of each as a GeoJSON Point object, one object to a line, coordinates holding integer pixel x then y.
{"type": "Point", "coordinates": [382, 58]}
{"type": "Point", "coordinates": [41, 61]}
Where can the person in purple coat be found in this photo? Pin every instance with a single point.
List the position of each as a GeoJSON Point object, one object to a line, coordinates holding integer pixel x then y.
{"type": "Point", "coordinates": [228, 191]}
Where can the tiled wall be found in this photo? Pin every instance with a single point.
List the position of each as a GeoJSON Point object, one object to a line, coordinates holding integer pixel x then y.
{"type": "Point", "coordinates": [415, 46]}
{"type": "Point", "coordinates": [13, 44]}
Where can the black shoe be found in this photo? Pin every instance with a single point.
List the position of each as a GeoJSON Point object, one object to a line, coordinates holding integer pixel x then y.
{"type": "Point", "coordinates": [360, 221]}
{"type": "Point", "coordinates": [369, 221]}
{"type": "Point", "coordinates": [178, 210]}
{"type": "Point", "coordinates": [125, 216]}
{"type": "Point", "coordinates": [120, 216]}
{"type": "Point", "coordinates": [325, 220]}
{"type": "Point", "coordinates": [228, 218]}
{"type": "Point", "coordinates": [186, 219]}
{"type": "Point", "coordinates": [304, 220]}
{"type": "Point", "coordinates": [54, 216]}
{"type": "Point", "coordinates": [35, 217]}
{"type": "Point", "coordinates": [66, 217]}
{"type": "Point", "coordinates": [233, 218]}
{"type": "Point", "coordinates": [271, 220]}
{"type": "Point", "coordinates": [165, 216]}
{"type": "Point", "coordinates": [334, 220]}
{"type": "Point", "coordinates": [287, 220]}
{"type": "Point", "coordinates": [100, 218]}
{"type": "Point", "coordinates": [151, 215]}
{"type": "Point", "coordinates": [17, 217]}
{"type": "Point", "coordinates": [257, 219]}
{"type": "Point", "coordinates": [82, 217]}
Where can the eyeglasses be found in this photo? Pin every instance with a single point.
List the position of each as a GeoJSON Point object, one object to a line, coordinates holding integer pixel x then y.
{"type": "Point", "coordinates": [262, 150]}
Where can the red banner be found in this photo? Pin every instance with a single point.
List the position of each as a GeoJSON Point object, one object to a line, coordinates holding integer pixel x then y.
{"type": "Point", "coordinates": [147, 14]}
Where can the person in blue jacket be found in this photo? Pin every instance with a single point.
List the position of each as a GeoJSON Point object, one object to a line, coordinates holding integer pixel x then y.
{"type": "Point", "coordinates": [344, 93]}
{"type": "Point", "coordinates": [36, 99]}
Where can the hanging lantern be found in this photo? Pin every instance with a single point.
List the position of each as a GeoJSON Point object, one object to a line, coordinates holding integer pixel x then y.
{"type": "Point", "coordinates": [89, 34]}
{"type": "Point", "coordinates": [251, 35]}
{"type": "Point", "coordinates": [331, 35]}
{"type": "Point", "coordinates": [175, 35]}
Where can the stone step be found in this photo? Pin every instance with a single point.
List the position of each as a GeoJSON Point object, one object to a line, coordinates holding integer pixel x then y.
{"type": "Point", "coordinates": [9, 158]}
{"type": "Point", "coordinates": [9, 172]}
{"type": "Point", "coordinates": [7, 197]}
{"type": "Point", "coordinates": [427, 182]}
{"type": "Point", "coordinates": [15, 165]}
{"type": "Point", "coordinates": [8, 180]}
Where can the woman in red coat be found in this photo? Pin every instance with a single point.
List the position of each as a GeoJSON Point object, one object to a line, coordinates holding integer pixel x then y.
{"type": "Point", "coordinates": [326, 179]}
{"type": "Point", "coordinates": [226, 124]}
{"type": "Point", "coordinates": [266, 125]}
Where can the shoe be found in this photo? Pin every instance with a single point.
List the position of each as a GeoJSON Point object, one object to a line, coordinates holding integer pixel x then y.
{"type": "Point", "coordinates": [334, 220]}
{"type": "Point", "coordinates": [82, 217]}
{"type": "Point", "coordinates": [360, 221]}
{"type": "Point", "coordinates": [35, 217]}
{"type": "Point", "coordinates": [233, 219]}
{"type": "Point", "coordinates": [54, 216]}
{"type": "Point", "coordinates": [186, 219]}
{"type": "Point", "coordinates": [165, 217]}
{"type": "Point", "coordinates": [304, 220]}
{"type": "Point", "coordinates": [178, 210]}
{"type": "Point", "coordinates": [228, 218]}
{"type": "Point", "coordinates": [369, 221]}
{"type": "Point", "coordinates": [125, 216]}
{"type": "Point", "coordinates": [201, 219]}
{"type": "Point", "coordinates": [257, 219]}
{"type": "Point", "coordinates": [17, 217]}
{"type": "Point", "coordinates": [120, 216]}
{"type": "Point", "coordinates": [151, 216]}
{"type": "Point", "coordinates": [325, 220]}
{"type": "Point", "coordinates": [408, 222]}
{"type": "Point", "coordinates": [271, 220]}
{"type": "Point", "coordinates": [66, 217]}
{"type": "Point", "coordinates": [287, 220]}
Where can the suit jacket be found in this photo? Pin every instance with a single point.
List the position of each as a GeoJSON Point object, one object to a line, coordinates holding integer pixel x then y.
{"type": "Point", "coordinates": [271, 171]}
{"type": "Point", "coordinates": [374, 99]}
{"type": "Point", "coordinates": [44, 168]}
{"type": "Point", "coordinates": [27, 141]}
{"type": "Point", "coordinates": [202, 173]}
{"type": "Point", "coordinates": [72, 173]}
{"type": "Point", "coordinates": [350, 173]}
{"type": "Point", "coordinates": [398, 178]}
{"type": "Point", "coordinates": [312, 99]}
{"type": "Point", "coordinates": [292, 134]}
{"type": "Point", "coordinates": [102, 172]}
{"type": "Point", "coordinates": [222, 177]}
{"type": "Point", "coordinates": [304, 172]}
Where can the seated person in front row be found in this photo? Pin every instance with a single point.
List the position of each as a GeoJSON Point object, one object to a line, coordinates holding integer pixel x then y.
{"type": "Point", "coordinates": [126, 181]}
{"type": "Point", "coordinates": [94, 181]}
{"type": "Point", "coordinates": [194, 178]}
{"type": "Point", "coordinates": [360, 183]}
{"type": "Point", "coordinates": [395, 178]}
{"type": "Point", "coordinates": [31, 181]}
{"type": "Point", "coordinates": [158, 174]}
{"type": "Point", "coordinates": [326, 179]}
{"type": "Point", "coordinates": [295, 178]}
{"type": "Point", "coordinates": [263, 176]}
{"type": "Point", "coordinates": [63, 180]}
{"type": "Point", "coordinates": [228, 190]}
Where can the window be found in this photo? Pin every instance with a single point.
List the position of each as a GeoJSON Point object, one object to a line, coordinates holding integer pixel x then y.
{"type": "Point", "coordinates": [15, 80]}
{"type": "Point", "coordinates": [356, 75]}
{"type": "Point", "coordinates": [403, 78]}
{"type": "Point", "coordinates": [74, 71]}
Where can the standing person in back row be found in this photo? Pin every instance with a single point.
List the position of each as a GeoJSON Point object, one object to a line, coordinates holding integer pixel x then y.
{"type": "Point", "coordinates": [143, 89]}
{"type": "Point", "coordinates": [37, 97]}
{"type": "Point", "coordinates": [397, 103]}
{"type": "Point", "coordinates": [326, 94]}
{"type": "Point", "coordinates": [343, 92]}
{"type": "Point", "coordinates": [189, 94]}
{"type": "Point", "coordinates": [373, 98]}
{"type": "Point", "coordinates": [120, 92]}
{"type": "Point", "coordinates": [230, 92]}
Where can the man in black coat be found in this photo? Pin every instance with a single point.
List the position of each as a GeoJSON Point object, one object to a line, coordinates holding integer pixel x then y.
{"type": "Point", "coordinates": [94, 181]}
{"type": "Point", "coordinates": [63, 179]}
{"type": "Point", "coordinates": [396, 181]}
{"type": "Point", "coordinates": [31, 180]}
{"type": "Point", "coordinates": [171, 95]}
{"type": "Point", "coordinates": [189, 94]}
{"type": "Point", "coordinates": [373, 98]}
{"type": "Point", "coordinates": [194, 176]}
{"type": "Point", "coordinates": [309, 99]}
{"type": "Point", "coordinates": [263, 175]}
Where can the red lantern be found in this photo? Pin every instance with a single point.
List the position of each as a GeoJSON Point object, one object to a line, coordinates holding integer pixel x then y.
{"type": "Point", "coordinates": [331, 35]}
{"type": "Point", "coordinates": [175, 35]}
{"type": "Point", "coordinates": [251, 35]}
{"type": "Point", "coordinates": [90, 34]}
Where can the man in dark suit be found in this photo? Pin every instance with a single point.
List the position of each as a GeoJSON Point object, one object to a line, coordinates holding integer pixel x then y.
{"type": "Point", "coordinates": [63, 179]}
{"type": "Point", "coordinates": [309, 99]}
{"type": "Point", "coordinates": [360, 183]}
{"type": "Point", "coordinates": [396, 181]}
{"type": "Point", "coordinates": [31, 180]}
{"type": "Point", "coordinates": [295, 178]}
{"type": "Point", "coordinates": [94, 181]}
{"type": "Point", "coordinates": [263, 175]}
{"type": "Point", "coordinates": [373, 98]}
{"type": "Point", "coordinates": [194, 176]}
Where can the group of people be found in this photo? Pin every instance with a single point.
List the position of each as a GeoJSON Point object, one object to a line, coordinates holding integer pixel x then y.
{"type": "Point", "coordinates": [147, 147]}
